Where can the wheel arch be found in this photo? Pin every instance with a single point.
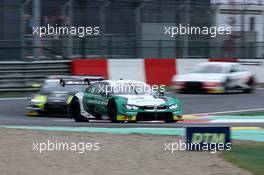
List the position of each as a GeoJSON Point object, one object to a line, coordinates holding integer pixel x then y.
{"type": "Point", "coordinates": [119, 101]}
{"type": "Point", "coordinates": [111, 100]}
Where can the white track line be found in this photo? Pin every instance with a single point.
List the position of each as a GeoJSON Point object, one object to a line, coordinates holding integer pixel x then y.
{"type": "Point", "coordinates": [238, 121]}
{"type": "Point", "coordinates": [225, 112]}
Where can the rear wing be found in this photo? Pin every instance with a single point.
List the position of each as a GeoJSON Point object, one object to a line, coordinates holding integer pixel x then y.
{"type": "Point", "coordinates": [85, 81]}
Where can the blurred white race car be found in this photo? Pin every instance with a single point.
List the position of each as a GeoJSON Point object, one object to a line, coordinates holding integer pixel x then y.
{"type": "Point", "coordinates": [215, 77]}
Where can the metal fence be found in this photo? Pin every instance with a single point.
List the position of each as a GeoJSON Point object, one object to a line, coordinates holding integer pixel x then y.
{"type": "Point", "coordinates": [130, 29]}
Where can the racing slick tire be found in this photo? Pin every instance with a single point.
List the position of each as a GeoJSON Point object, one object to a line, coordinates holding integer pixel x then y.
{"type": "Point", "coordinates": [226, 85]}
{"type": "Point", "coordinates": [251, 84]}
{"type": "Point", "coordinates": [112, 111]}
{"type": "Point", "coordinates": [169, 119]}
{"type": "Point", "coordinates": [75, 112]}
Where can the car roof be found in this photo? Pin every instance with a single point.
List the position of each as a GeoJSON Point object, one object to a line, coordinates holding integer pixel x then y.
{"type": "Point", "coordinates": [223, 64]}
{"type": "Point", "coordinates": [72, 79]}
{"type": "Point", "coordinates": [78, 77]}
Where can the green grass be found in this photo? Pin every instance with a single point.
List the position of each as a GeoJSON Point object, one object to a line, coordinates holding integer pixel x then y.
{"type": "Point", "coordinates": [249, 156]}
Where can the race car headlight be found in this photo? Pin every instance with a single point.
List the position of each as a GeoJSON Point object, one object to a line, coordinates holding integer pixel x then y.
{"type": "Point", "coordinates": [39, 99]}
{"type": "Point", "coordinates": [174, 106]}
{"type": "Point", "coordinates": [36, 101]}
{"type": "Point", "coordinates": [131, 107]}
{"type": "Point", "coordinates": [69, 99]}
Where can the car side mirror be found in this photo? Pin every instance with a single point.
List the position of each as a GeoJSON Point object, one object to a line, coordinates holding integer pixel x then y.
{"type": "Point", "coordinates": [62, 82]}
{"type": "Point", "coordinates": [161, 93]}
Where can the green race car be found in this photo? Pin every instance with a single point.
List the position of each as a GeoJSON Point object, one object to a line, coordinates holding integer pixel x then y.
{"type": "Point", "coordinates": [124, 100]}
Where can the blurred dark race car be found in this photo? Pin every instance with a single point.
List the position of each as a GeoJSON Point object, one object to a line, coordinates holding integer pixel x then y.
{"type": "Point", "coordinates": [54, 97]}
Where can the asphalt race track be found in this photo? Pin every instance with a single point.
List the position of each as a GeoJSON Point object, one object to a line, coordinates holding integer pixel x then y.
{"type": "Point", "coordinates": [13, 110]}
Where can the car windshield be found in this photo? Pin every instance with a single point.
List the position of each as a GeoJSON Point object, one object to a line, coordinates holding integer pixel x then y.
{"type": "Point", "coordinates": [49, 87]}
{"type": "Point", "coordinates": [132, 89]}
{"type": "Point", "coordinates": [209, 69]}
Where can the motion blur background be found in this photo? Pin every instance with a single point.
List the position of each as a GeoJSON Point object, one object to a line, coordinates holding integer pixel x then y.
{"type": "Point", "coordinates": [129, 30]}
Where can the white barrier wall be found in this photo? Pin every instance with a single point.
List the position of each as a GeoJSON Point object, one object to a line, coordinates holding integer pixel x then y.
{"type": "Point", "coordinates": [258, 70]}
{"type": "Point", "coordinates": [127, 69]}
{"type": "Point", "coordinates": [186, 65]}
{"type": "Point", "coordinates": [151, 71]}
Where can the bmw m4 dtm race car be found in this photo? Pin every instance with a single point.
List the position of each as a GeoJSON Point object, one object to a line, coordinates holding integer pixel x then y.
{"type": "Point", "coordinates": [215, 77]}
{"type": "Point", "coordinates": [124, 100]}
{"type": "Point", "coordinates": [54, 98]}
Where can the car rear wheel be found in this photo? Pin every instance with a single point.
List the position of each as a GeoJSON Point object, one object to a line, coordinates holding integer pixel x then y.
{"type": "Point", "coordinates": [76, 112]}
{"type": "Point", "coordinates": [227, 85]}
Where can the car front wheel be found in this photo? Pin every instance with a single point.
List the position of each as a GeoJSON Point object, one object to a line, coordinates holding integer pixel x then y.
{"type": "Point", "coordinates": [251, 86]}
{"type": "Point", "coordinates": [169, 119]}
{"type": "Point", "coordinates": [112, 111]}
{"type": "Point", "coordinates": [76, 112]}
